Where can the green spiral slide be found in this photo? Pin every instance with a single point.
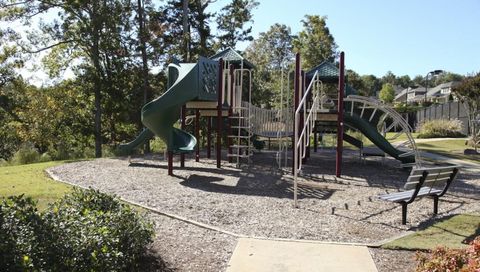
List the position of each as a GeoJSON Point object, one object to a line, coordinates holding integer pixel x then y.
{"type": "Point", "coordinates": [187, 82]}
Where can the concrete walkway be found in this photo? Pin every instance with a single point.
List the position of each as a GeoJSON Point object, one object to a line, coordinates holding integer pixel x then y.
{"type": "Point", "coordinates": [288, 256]}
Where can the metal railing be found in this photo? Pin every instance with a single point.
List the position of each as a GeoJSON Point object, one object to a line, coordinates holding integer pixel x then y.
{"type": "Point", "coordinates": [308, 114]}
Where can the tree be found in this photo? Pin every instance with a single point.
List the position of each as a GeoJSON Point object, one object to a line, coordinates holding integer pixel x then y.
{"type": "Point", "coordinates": [390, 78]}
{"type": "Point", "coordinates": [387, 93]}
{"type": "Point", "coordinates": [315, 42]}
{"type": "Point", "coordinates": [371, 84]}
{"type": "Point", "coordinates": [403, 81]}
{"type": "Point", "coordinates": [271, 52]}
{"type": "Point", "coordinates": [469, 92]}
{"type": "Point", "coordinates": [356, 82]}
{"type": "Point", "coordinates": [89, 31]}
{"type": "Point", "coordinates": [199, 33]}
{"type": "Point", "coordinates": [231, 22]}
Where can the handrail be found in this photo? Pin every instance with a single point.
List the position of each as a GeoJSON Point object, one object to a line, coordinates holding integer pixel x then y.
{"type": "Point", "coordinates": [302, 135]}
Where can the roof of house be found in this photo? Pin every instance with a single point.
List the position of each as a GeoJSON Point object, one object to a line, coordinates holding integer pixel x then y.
{"type": "Point", "coordinates": [417, 91]}
{"type": "Point", "coordinates": [436, 91]}
{"type": "Point", "coordinates": [233, 57]}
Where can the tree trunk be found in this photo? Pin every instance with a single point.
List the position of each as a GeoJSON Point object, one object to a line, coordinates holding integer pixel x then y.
{"type": "Point", "coordinates": [97, 83]}
{"type": "Point", "coordinates": [143, 48]}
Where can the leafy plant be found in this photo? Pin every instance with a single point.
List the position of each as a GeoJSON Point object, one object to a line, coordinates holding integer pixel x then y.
{"type": "Point", "coordinates": [84, 231]}
{"type": "Point", "coordinates": [440, 128]}
{"type": "Point", "coordinates": [26, 154]}
{"type": "Point", "coordinates": [444, 259]}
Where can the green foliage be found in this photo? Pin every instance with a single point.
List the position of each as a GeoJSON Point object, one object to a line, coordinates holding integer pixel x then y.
{"type": "Point", "coordinates": [271, 52]}
{"type": "Point", "coordinates": [22, 234]}
{"type": "Point", "coordinates": [440, 128]}
{"type": "Point", "coordinates": [444, 259]}
{"type": "Point", "coordinates": [387, 93]}
{"type": "Point", "coordinates": [406, 108]}
{"type": "Point", "coordinates": [26, 154]}
{"type": "Point", "coordinates": [84, 231]}
{"type": "Point", "coordinates": [231, 22]}
{"type": "Point", "coordinates": [315, 42]}
{"type": "Point", "coordinates": [469, 91]}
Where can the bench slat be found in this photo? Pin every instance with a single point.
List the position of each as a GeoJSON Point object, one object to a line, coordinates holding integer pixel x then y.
{"type": "Point", "coordinates": [433, 170]}
{"type": "Point", "coordinates": [406, 195]}
{"type": "Point", "coordinates": [429, 181]}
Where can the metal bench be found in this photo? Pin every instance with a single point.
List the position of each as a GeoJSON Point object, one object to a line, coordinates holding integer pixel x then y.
{"type": "Point", "coordinates": [432, 182]}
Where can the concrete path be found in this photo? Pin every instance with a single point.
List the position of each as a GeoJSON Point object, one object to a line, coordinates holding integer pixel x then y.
{"type": "Point", "coordinates": [288, 256]}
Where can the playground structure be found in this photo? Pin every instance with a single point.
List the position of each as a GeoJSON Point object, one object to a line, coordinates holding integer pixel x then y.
{"type": "Point", "coordinates": [220, 88]}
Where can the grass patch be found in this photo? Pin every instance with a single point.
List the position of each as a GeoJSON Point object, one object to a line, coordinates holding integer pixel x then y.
{"type": "Point", "coordinates": [449, 148]}
{"type": "Point", "coordinates": [454, 232]}
{"type": "Point", "coordinates": [31, 180]}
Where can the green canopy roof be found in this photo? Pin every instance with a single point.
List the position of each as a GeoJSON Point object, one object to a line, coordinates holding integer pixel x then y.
{"type": "Point", "coordinates": [233, 57]}
{"type": "Point", "coordinates": [327, 71]}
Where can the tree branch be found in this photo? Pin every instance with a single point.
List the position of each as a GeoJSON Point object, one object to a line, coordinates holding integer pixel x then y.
{"type": "Point", "coordinates": [47, 47]}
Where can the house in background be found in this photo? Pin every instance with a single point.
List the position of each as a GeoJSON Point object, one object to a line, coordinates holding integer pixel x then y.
{"type": "Point", "coordinates": [410, 95]}
{"type": "Point", "coordinates": [441, 93]}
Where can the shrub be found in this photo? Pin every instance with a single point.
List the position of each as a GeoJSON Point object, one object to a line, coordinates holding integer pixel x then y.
{"type": "Point", "coordinates": [444, 259]}
{"type": "Point", "coordinates": [440, 128]}
{"type": "Point", "coordinates": [26, 154]}
{"type": "Point", "coordinates": [84, 231]}
{"type": "Point", "coordinates": [21, 233]}
{"type": "Point", "coordinates": [45, 157]}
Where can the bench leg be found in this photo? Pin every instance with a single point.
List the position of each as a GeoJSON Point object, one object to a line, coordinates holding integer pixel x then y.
{"type": "Point", "coordinates": [435, 204]}
{"type": "Point", "coordinates": [404, 213]}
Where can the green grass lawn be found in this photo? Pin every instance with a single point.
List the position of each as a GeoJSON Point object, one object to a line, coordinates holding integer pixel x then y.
{"type": "Point", "coordinates": [449, 148]}
{"type": "Point", "coordinates": [453, 232]}
{"type": "Point", "coordinates": [31, 180]}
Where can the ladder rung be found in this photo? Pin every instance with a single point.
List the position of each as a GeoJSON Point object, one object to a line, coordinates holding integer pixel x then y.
{"type": "Point", "coordinates": [236, 136]}
{"type": "Point", "coordinates": [238, 117]}
{"type": "Point", "coordinates": [240, 127]}
{"type": "Point", "coordinates": [239, 155]}
{"type": "Point", "coordinates": [239, 146]}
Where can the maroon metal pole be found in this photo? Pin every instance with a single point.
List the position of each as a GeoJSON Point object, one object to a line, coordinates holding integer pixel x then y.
{"type": "Point", "coordinates": [209, 136]}
{"type": "Point", "coordinates": [219, 113]}
{"type": "Point", "coordinates": [197, 135]}
{"type": "Point", "coordinates": [230, 113]}
{"type": "Point", "coordinates": [341, 93]}
{"type": "Point", "coordinates": [296, 102]}
{"type": "Point", "coordinates": [182, 156]}
{"type": "Point", "coordinates": [170, 163]}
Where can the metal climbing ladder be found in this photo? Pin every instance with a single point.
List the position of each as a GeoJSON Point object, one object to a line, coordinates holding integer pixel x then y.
{"type": "Point", "coordinates": [241, 147]}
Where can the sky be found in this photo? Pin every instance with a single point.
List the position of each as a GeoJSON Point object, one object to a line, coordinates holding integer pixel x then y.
{"type": "Point", "coordinates": [406, 37]}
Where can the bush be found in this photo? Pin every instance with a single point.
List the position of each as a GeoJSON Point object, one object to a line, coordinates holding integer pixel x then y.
{"type": "Point", "coordinates": [45, 157]}
{"type": "Point", "coordinates": [21, 233]}
{"type": "Point", "coordinates": [84, 231]}
{"type": "Point", "coordinates": [444, 259]}
{"type": "Point", "coordinates": [440, 128]}
{"type": "Point", "coordinates": [26, 154]}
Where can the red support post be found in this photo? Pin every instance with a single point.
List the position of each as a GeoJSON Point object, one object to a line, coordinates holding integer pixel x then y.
{"type": "Point", "coordinates": [209, 137]}
{"type": "Point", "coordinates": [219, 113]}
{"type": "Point", "coordinates": [341, 93]}
{"type": "Point", "coordinates": [182, 156]}
{"type": "Point", "coordinates": [296, 102]}
{"type": "Point", "coordinates": [197, 135]}
{"type": "Point", "coordinates": [230, 114]}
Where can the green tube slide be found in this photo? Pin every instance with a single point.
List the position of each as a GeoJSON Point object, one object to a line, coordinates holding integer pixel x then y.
{"type": "Point", "coordinates": [160, 115]}
{"type": "Point", "coordinates": [376, 138]}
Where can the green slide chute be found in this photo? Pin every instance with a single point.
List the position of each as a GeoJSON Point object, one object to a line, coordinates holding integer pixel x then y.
{"type": "Point", "coordinates": [187, 82]}
{"type": "Point", "coordinates": [376, 138]}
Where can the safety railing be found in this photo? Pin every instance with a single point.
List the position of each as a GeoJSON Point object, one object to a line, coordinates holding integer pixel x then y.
{"type": "Point", "coordinates": [305, 117]}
